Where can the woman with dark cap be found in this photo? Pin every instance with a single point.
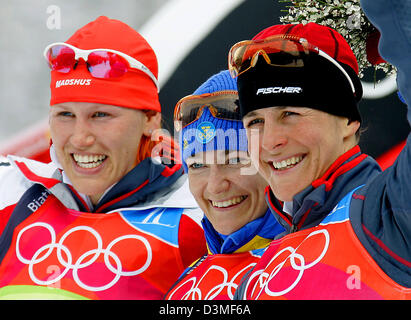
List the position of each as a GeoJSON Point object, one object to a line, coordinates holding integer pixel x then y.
{"type": "Point", "coordinates": [237, 223]}
{"type": "Point", "coordinates": [348, 225]}
{"type": "Point", "coordinates": [103, 220]}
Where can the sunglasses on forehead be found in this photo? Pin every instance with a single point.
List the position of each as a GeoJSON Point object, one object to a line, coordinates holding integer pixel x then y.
{"type": "Point", "coordinates": [285, 51]}
{"type": "Point", "coordinates": [101, 63]}
{"type": "Point", "coordinates": [222, 105]}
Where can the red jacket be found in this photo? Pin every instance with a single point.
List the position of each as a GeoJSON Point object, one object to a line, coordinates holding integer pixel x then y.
{"type": "Point", "coordinates": [51, 247]}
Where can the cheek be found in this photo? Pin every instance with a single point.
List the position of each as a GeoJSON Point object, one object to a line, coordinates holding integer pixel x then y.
{"type": "Point", "coordinates": [251, 184]}
{"type": "Point", "coordinates": [258, 190]}
{"type": "Point", "coordinates": [124, 156]}
{"type": "Point", "coordinates": [196, 189]}
{"type": "Point", "coordinates": [121, 140]}
{"type": "Point", "coordinates": [324, 150]}
{"type": "Point", "coordinates": [260, 182]}
{"type": "Point", "coordinates": [59, 135]}
{"type": "Point", "coordinates": [312, 138]}
{"type": "Point", "coordinates": [53, 130]}
{"type": "Point", "coordinates": [129, 145]}
{"type": "Point", "coordinates": [254, 138]}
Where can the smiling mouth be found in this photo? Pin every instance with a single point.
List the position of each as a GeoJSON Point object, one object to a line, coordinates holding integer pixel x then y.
{"type": "Point", "coordinates": [228, 203]}
{"type": "Point", "coordinates": [287, 163]}
{"type": "Point", "coordinates": [89, 161]}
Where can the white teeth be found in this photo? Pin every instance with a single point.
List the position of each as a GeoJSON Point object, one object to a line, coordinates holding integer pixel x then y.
{"type": "Point", "coordinates": [286, 164]}
{"type": "Point", "coordinates": [228, 203]}
{"type": "Point", "coordinates": [89, 161]}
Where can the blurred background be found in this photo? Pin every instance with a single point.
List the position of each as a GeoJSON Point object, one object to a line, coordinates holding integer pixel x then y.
{"type": "Point", "coordinates": [191, 39]}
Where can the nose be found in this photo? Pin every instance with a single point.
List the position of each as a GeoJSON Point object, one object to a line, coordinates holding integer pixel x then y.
{"type": "Point", "coordinates": [82, 136]}
{"type": "Point", "coordinates": [273, 136]}
{"type": "Point", "coordinates": [217, 182]}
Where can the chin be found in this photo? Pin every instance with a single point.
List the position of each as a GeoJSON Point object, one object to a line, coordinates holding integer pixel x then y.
{"type": "Point", "coordinates": [283, 196]}
{"type": "Point", "coordinates": [89, 189]}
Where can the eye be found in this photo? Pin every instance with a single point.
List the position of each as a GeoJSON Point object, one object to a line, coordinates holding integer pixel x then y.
{"type": "Point", "coordinates": [288, 113]}
{"type": "Point", "coordinates": [235, 160]}
{"type": "Point", "coordinates": [253, 122]}
{"type": "Point", "coordinates": [238, 161]}
{"type": "Point", "coordinates": [65, 114]}
{"type": "Point", "coordinates": [100, 114]}
{"type": "Point", "coordinates": [195, 165]}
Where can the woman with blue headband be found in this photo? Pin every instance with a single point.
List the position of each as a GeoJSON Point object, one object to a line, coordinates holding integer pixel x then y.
{"type": "Point", "coordinates": [237, 223]}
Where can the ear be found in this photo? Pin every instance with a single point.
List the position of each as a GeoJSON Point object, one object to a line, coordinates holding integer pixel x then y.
{"type": "Point", "coordinates": [153, 122]}
{"type": "Point", "coordinates": [349, 129]}
{"type": "Point", "coordinates": [352, 126]}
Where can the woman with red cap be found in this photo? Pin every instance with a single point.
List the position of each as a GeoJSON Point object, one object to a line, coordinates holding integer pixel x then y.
{"type": "Point", "coordinates": [111, 217]}
{"type": "Point", "coordinates": [348, 225]}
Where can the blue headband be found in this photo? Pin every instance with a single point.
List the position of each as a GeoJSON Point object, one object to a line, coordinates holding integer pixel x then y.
{"type": "Point", "coordinates": [209, 133]}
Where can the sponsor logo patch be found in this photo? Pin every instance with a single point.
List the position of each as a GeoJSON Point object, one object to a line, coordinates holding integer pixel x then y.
{"type": "Point", "coordinates": [73, 82]}
{"type": "Point", "coordinates": [274, 90]}
{"type": "Point", "coordinates": [205, 132]}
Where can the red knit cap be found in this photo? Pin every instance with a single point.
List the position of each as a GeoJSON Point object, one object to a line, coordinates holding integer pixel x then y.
{"type": "Point", "coordinates": [325, 38]}
{"type": "Point", "coordinates": [321, 84]}
{"type": "Point", "coordinates": [134, 89]}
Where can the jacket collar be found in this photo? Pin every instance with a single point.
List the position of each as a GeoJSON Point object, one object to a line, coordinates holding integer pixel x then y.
{"type": "Point", "coordinates": [256, 234]}
{"type": "Point", "coordinates": [136, 188]}
{"type": "Point", "coordinates": [315, 202]}
{"type": "Point", "coordinates": [142, 184]}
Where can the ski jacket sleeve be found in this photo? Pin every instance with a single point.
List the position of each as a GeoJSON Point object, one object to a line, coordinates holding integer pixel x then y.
{"type": "Point", "coordinates": [381, 211]}
{"type": "Point", "coordinates": [11, 189]}
{"type": "Point", "coordinates": [191, 236]}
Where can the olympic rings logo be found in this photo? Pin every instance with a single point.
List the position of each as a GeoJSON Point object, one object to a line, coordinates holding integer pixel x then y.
{"type": "Point", "coordinates": [45, 251]}
{"type": "Point", "coordinates": [263, 279]}
{"type": "Point", "coordinates": [195, 292]}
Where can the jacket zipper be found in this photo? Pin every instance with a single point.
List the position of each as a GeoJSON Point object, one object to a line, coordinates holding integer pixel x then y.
{"type": "Point", "coordinates": [294, 228]}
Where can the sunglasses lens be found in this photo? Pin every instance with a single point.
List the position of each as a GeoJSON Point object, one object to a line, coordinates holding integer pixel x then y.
{"type": "Point", "coordinates": [103, 64]}
{"type": "Point", "coordinates": [61, 58]}
{"type": "Point", "coordinates": [278, 52]}
{"type": "Point", "coordinates": [223, 107]}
